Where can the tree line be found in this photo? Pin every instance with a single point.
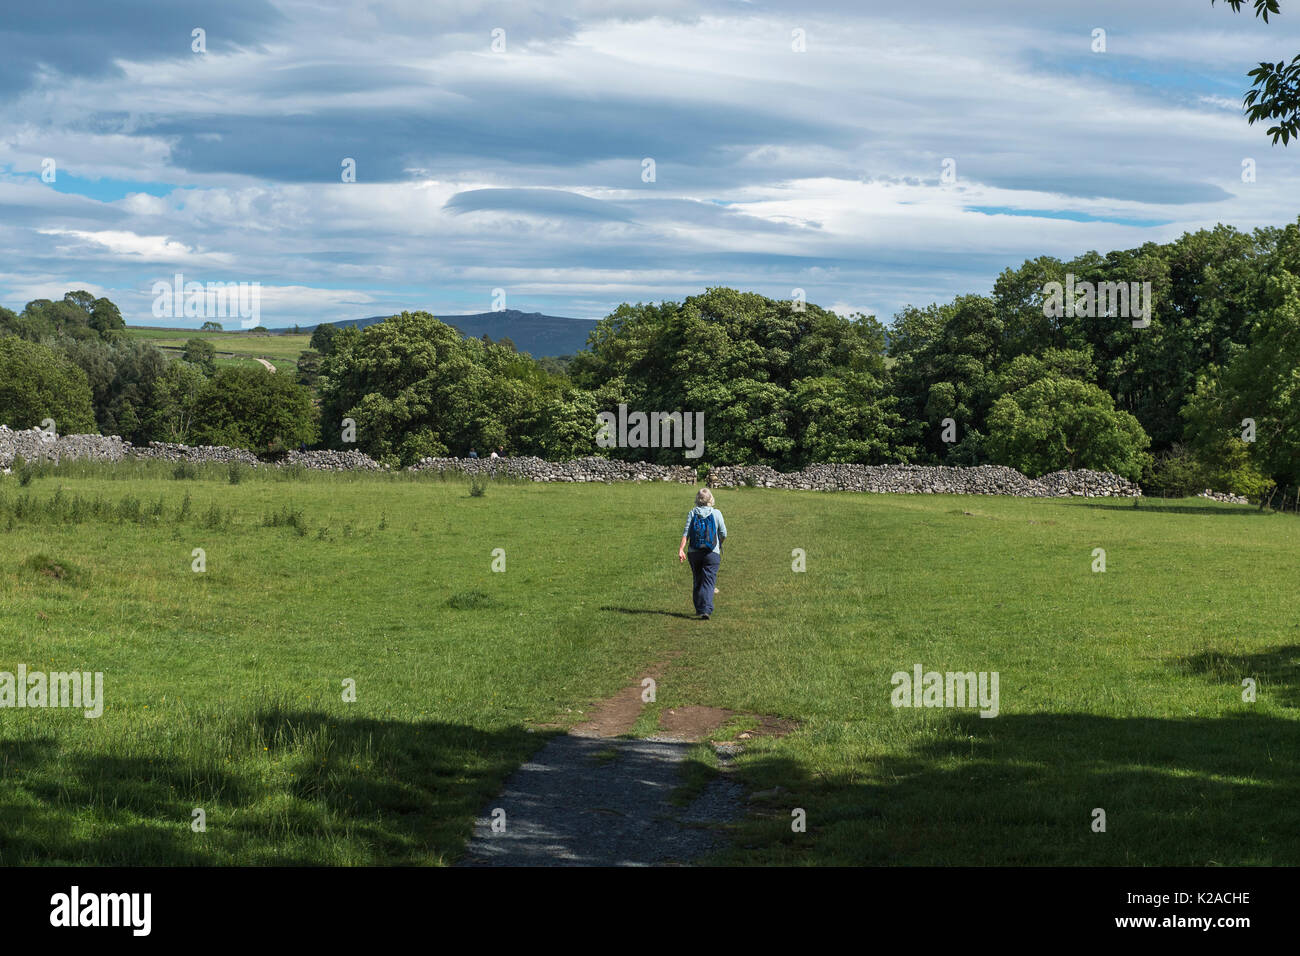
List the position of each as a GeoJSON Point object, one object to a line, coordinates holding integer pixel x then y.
{"type": "Point", "coordinates": [71, 362]}
{"type": "Point", "coordinates": [1202, 392]}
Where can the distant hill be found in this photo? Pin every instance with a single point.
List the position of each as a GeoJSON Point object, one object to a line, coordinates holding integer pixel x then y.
{"type": "Point", "coordinates": [532, 332]}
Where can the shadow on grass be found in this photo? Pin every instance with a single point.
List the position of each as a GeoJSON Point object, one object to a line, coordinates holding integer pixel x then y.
{"type": "Point", "coordinates": [1276, 670]}
{"type": "Point", "coordinates": [305, 787]}
{"type": "Point", "coordinates": [301, 788]}
{"type": "Point", "coordinates": [1021, 789]}
{"type": "Point", "coordinates": [646, 610]}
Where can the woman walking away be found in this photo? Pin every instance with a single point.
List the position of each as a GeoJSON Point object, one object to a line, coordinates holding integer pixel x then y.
{"type": "Point", "coordinates": [704, 534]}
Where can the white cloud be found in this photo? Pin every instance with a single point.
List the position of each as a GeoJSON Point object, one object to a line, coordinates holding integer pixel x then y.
{"type": "Point", "coordinates": [775, 168]}
{"type": "Point", "coordinates": [129, 244]}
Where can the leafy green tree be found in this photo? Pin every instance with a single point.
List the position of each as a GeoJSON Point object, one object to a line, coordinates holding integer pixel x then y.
{"type": "Point", "coordinates": [346, 336]}
{"type": "Point", "coordinates": [252, 408]}
{"type": "Point", "coordinates": [122, 376]}
{"type": "Point", "coordinates": [1180, 471]}
{"type": "Point", "coordinates": [11, 323]}
{"type": "Point", "coordinates": [1024, 370]}
{"type": "Point", "coordinates": [743, 360]}
{"type": "Point", "coordinates": [557, 365]}
{"type": "Point", "coordinates": [411, 386]}
{"type": "Point", "coordinates": [946, 367]}
{"type": "Point", "coordinates": [564, 428]}
{"type": "Point", "coordinates": [321, 337]}
{"type": "Point", "coordinates": [1055, 423]}
{"type": "Point", "coordinates": [37, 382]}
{"type": "Point", "coordinates": [202, 353]}
{"type": "Point", "coordinates": [211, 326]}
{"type": "Point", "coordinates": [308, 368]}
{"type": "Point", "coordinates": [45, 318]}
{"type": "Point", "coordinates": [416, 387]}
{"type": "Point", "coordinates": [175, 403]}
{"type": "Point", "coordinates": [1018, 296]}
{"type": "Point", "coordinates": [845, 418]}
{"type": "Point", "coordinates": [1276, 92]}
{"type": "Point", "coordinates": [1259, 384]}
{"type": "Point", "coordinates": [79, 315]}
{"type": "Point", "coordinates": [1206, 288]}
{"type": "Point", "coordinates": [105, 318]}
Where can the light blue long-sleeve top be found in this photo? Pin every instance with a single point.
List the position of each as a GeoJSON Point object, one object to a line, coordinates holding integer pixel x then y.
{"type": "Point", "coordinates": [705, 511]}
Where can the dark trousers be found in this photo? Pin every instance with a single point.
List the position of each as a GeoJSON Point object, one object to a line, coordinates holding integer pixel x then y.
{"type": "Point", "coordinates": [704, 568]}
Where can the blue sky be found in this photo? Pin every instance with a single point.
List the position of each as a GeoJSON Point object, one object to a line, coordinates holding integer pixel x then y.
{"type": "Point", "coordinates": [522, 169]}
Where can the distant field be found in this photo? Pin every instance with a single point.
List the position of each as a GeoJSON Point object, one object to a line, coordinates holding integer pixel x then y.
{"type": "Point", "coordinates": [1119, 690]}
{"type": "Point", "coordinates": [233, 348]}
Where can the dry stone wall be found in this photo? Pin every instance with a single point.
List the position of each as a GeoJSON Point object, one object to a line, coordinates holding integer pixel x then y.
{"type": "Point", "coordinates": [581, 469]}
{"type": "Point", "coordinates": [33, 444]}
{"type": "Point", "coordinates": [1224, 496]}
{"type": "Point", "coordinates": [927, 480]}
{"type": "Point", "coordinates": [195, 454]}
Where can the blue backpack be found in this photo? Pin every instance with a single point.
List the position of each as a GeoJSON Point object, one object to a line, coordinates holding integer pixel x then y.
{"type": "Point", "coordinates": [704, 531]}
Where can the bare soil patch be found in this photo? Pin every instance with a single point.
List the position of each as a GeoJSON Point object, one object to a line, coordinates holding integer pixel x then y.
{"type": "Point", "coordinates": [618, 714]}
{"type": "Point", "coordinates": [693, 723]}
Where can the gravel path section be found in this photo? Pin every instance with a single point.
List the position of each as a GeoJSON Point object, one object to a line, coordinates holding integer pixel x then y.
{"type": "Point", "coordinates": [590, 801]}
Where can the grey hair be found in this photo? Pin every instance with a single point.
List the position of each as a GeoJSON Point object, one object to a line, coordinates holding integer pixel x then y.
{"type": "Point", "coordinates": [704, 498]}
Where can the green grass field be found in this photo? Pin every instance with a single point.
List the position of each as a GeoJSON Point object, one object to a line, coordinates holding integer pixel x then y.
{"type": "Point", "coordinates": [233, 348]}
{"type": "Point", "coordinates": [1118, 690]}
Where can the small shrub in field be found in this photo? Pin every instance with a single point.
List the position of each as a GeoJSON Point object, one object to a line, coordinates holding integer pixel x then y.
{"type": "Point", "coordinates": [57, 570]}
{"type": "Point", "coordinates": [286, 517]}
{"type": "Point", "coordinates": [185, 471]}
{"type": "Point", "coordinates": [478, 486]}
{"type": "Point", "coordinates": [25, 470]}
{"type": "Point", "coordinates": [213, 517]}
{"type": "Point", "coordinates": [235, 473]}
{"type": "Point", "coordinates": [185, 507]}
{"type": "Point", "coordinates": [469, 600]}
{"type": "Point", "coordinates": [129, 509]}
